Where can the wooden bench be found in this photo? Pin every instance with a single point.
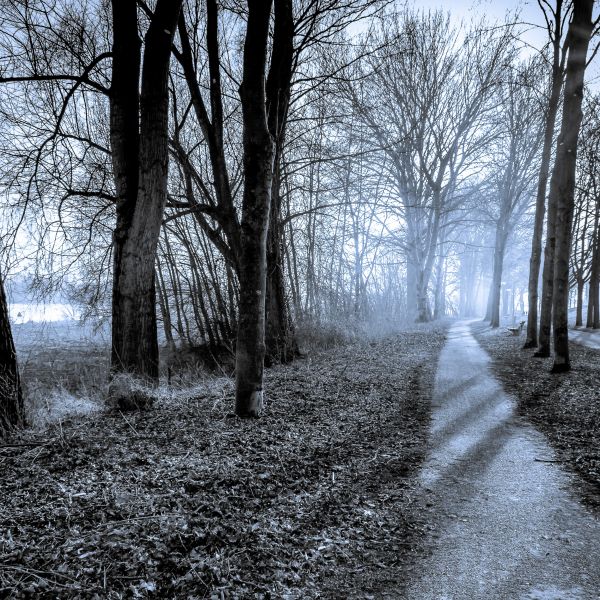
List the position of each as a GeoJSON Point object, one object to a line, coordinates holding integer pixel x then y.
{"type": "Point", "coordinates": [517, 330]}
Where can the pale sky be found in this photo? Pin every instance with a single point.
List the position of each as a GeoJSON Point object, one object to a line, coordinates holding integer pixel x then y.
{"type": "Point", "coordinates": [534, 35]}
{"type": "Point", "coordinates": [494, 10]}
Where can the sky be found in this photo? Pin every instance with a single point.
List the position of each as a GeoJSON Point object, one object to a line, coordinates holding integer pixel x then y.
{"type": "Point", "coordinates": [534, 32]}
{"type": "Point", "coordinates": [494, 10]}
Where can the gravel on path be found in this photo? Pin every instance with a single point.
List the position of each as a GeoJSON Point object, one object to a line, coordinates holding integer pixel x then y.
{"type": "Point", "coordinates": [506, 523]}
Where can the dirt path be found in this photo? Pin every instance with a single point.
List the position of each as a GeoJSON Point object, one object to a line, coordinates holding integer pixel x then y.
{"type": "Point", "coordinates": [586, 337]}
{"type": "Point", "coordinates": [506, 524]}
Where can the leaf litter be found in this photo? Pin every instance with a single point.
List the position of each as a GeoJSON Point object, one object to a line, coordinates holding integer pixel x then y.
{"type": "Point", "coordinates": [315, 499]}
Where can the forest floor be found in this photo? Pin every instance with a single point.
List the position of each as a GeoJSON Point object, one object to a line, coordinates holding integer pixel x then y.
{"type": "Point", "coordinates": [315, 499]}
{"type": "Point", "coordinates": [565, 407]}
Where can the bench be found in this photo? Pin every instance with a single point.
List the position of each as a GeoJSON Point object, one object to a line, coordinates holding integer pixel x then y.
{"type": "Point", "coordinates": [517, 330]}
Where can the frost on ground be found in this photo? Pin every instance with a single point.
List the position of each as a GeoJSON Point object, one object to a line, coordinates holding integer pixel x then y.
{"type": "Point", "coordinates": [315, 499]}
{"type": "Point", "coordinates": [566, 407]}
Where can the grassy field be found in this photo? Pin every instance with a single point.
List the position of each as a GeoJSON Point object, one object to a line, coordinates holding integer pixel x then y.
{"type": "Point", "coordinates": [64, 368]}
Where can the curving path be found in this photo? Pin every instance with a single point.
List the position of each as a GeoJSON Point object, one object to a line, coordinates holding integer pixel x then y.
{"type": "Point", "coordinates": [506, 524]}
{"type": "Point", "coordinates": [586, 337]}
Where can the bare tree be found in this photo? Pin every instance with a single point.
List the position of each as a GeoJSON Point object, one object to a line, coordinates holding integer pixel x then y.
{"type": "Point", "coordinates": [555, 20]}
{"type": "Point", "coordinates": [562, 184]}
{"type": "Point", "coordinates": [430, 122]}
{"type": "Point", "coordinates": [140, 167]}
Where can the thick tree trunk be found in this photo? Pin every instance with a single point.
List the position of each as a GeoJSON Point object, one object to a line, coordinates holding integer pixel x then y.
{"type": "Point", "coordinates": [11, 396]}
{"type": "Point", "coordinates": [258, 173]}
{"type": "Point", "coordinates": [124, 139]}
{"type": "Point", "coordinates": [562, 184]}
{"type": "Point", "coordinates": [281, 344]}
{"type": "Point", "coordinates": [134, 343]}
{"type": "Point", "coordinates": [531, 339]}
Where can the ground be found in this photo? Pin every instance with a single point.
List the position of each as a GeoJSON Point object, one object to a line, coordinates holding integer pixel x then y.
{"type": "Point", "coordinates": [565, 407]}
{"type": "Point", "coordinates": [315, 499]}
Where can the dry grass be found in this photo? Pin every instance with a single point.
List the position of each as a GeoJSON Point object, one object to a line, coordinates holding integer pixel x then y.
{"type": "Point", "coordinates": [64, 370]}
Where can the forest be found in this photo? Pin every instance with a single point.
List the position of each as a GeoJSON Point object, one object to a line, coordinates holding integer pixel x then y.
{"type": "Point", "coordinates": [322, 269]}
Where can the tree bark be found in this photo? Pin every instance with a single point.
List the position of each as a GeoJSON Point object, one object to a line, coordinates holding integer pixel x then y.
{"type": "Point", "coordinates": [258, 174]}
{"type": "Point", "coordinates": [11, 396]}
{"type": "Point", "coordinates": [562, 185]}
{"type": "Point", "coordinates": [579, 310]}
{"type": "Point", "coordinates": [124, 139]}
{"type": "Point", "coordinates": [134, 343]}
{"type": "Point", "coordinates": [281, 344]}
{"type": "Point", "coordinates": [593, 311]}
{"type": "Point", "coordinates": [496, 289]}
{"type": "Point", "coordinates": [545, 329]}
{"type": "Point", "coordinates": [531, 339]}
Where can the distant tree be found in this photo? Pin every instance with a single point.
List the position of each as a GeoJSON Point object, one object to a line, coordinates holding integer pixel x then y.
{"type": "Point", "coordinates": [562, 184]}
{"type": "Point", "coordinates": [514, 164]}
{"type": "Point", "coordinates": [426, 110]}
{"type": "Point", "coordinates": [586, 250]}
{"type": "Point", "coordinates": [11, 396]}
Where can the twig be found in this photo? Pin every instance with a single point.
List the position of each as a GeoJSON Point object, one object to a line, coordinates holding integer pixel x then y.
{"type": "Point", "coordinates": [25, 445]}
{"type": "Point", "coordinates": [128, 423]}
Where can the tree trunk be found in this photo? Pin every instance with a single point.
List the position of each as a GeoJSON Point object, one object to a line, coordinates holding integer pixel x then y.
{"type": "Point", "coordinates": [258, 173]}
{"type": "Point", "coordinates": [411, 287]}
{"type": "Point", "coordinates": [281, 344]}
{"type": "Point", "coordinates": [531, 339]}
{"type": "Point", "coordinates": [124, 139]}
{"type": "Point", "coordinates": [593, 311]}
{"type": "Point", "coordinates": [505, 302]}
{"type": "Point", "coordinates": [579, 311]}
{"type": "Point", "coordinates": [135, 344]}
{"type": "Point", "coordinates": [163, 302]}
{"type": "Point", "coordinates": [545, 329]}
{"type": "Point", "coordinates": [423, 307]}
{"type": "Point", "coordinates": [11, 396]}
{"type": "Point", "coordinates": [496, 288]}
{"type": "Point", "coordinates": [562, 185]}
